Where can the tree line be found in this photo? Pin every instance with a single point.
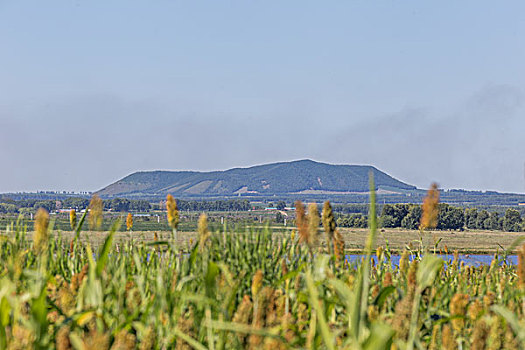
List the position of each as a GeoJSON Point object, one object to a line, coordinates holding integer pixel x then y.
{"type": "Point", "coordinates": [9, 206]}
{"type": "Point", "coordinates": [218, 205]}
{"type": "Point", "coordinates": [408, 216]}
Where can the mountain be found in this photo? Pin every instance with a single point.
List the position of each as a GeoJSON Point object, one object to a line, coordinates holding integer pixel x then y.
{"type": "Point", "coordinates": [285, 178]}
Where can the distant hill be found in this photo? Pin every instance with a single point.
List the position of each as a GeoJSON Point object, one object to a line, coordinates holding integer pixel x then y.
{"type": "Point", "coordinates": [285, 178]}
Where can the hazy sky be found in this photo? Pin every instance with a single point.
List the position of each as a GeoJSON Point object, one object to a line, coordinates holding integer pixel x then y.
{"type": "Point", "coordinates": [91, 91]}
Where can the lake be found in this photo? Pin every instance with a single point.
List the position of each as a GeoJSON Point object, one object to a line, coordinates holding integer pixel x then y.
{"type": "Point", "coordinates": [468, 259]}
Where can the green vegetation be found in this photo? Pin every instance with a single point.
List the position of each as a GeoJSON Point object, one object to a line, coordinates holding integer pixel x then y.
{"type": "Point", "coordinates": [150, 216]}
{"type": "Point", "coordinates": [408, 216]}
{"type": "Point", "coordinates": [9, 206]}
{"type": "Point", "coordinates": [249, 289]}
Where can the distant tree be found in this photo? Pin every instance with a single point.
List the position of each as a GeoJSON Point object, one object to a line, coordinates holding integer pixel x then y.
{"type": "Point", "coordinates": [48, 205]}
{"type": "Point", "coordinates": [360, 220]}
{"type": "Point", "coordinates": [76, 203]}
{"type": "Point", "coordinates": [281, 205]}
{"type": "Point", "coordinates": [512, 221]}
{"type": "Point", "coordinates": [450, 218]}
{"type": "Point", "coordinates": [139, 205]}
{"type": "Point", "coordinates": [483, 215]}
{"type": "Point", "coordinates": [7, 208]}
{"type": "Point", "coordinates": [25, 211]}
{"type": "Point", "coordinates": [412, 219]}
{"type": "Point", "coordinates": [471, 216]}
{"type": "Point", "coordinates": [353, 220]}
{"type": "Point", "coordinates": [394, 214]}
{"type": "Point", "coordinates": [344, 220]}
{"type": "Point", "coordinates": [118, 204]}
{"type": "Point", "coordinates": [387, 221]}
{"type": "Point", "coordinates": [494, 222]}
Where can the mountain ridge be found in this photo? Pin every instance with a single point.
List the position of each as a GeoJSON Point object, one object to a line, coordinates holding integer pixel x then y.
{"type": "Point", "coordinates": [293, 177]}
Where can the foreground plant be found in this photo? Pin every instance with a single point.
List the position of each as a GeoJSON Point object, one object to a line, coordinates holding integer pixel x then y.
{"type": "Point", "coordinates": [249, 289]}
{"type": "Point", "coordinates": [172, 214]}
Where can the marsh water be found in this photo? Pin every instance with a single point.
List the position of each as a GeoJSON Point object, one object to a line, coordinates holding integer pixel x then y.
{"type": "Point", "coordinates": [468, 259]}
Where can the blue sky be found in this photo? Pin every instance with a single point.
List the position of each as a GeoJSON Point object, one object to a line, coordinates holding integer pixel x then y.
{"type": "Point", "coordinates": [91, 91]}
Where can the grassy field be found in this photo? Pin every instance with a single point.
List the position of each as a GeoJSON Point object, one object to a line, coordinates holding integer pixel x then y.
{"type": "Point", "coordinates": [465, 242]}
{"type": "Point", "coordinates": [144, 227]}
{"type": "Point", "coordinates": [251, 289]}
{"type": "Point", "coordinates": [478, 242]}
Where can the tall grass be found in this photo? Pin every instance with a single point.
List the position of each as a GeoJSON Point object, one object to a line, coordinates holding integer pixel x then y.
{"type": "Point", "coordinates": [248, 290]}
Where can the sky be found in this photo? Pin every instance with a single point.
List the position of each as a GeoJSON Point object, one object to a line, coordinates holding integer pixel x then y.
{"type": "Point", "coordinates": [91, 91]}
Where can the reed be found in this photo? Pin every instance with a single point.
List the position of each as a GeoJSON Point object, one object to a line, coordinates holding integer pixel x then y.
{"type": "Point", "coordinates": [129, 222]}
{"type": "Point", "coordinates": [248, 289]}
{"type": "Point", "coordinates": [95, 213]}
{"type": "Point", "coordinates": [72, 219]}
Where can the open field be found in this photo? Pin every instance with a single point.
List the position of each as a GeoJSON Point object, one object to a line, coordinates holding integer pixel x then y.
{"type": "Point", "coordinates": [250, 290]}
{"type": "Point", "coordinates": [464, 242]}
{"type": "Point", "coordinates": [472, 242]}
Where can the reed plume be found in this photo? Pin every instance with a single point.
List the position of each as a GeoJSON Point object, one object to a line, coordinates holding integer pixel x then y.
{"type": "Point", "coordinates": [301, 222]}
{"type": "Point", "coordinates": [447, 339]}
{"type": "Point", "coordinates": [257, 283]}
{"type": "Point", "coordinates": [260, 308]}
{"type": "Point", "coordinates": [329, 224]}
{"type": "Point", "coordinates": [387, 281]}
{"type": "Point", "coordinates": [488, 299]}
{"type": "Point", "coordinates": [73, 219]}
{"type": "Point", "coordinates": [186, 325]}
{"type": "Point", "coordinates": [284, 267]}
{"type": "Point", "coordinates": [96, 339]}
{"type": "Point", "coordinates": [402, 313]}
{"type": "Point", "coordinates": [22, 338]}
{"type": "Point", "coordinates": [458, 307]}
{"type": "Point", "coordinates": [62, 339]}
{"type": "Point", "coordinates": [510, 340]}
{"type": "Point", "coordinates": [202, 229]}
{"type": "Point", "coordinates": [339, 246]}
{"type": "Point", "coordinates": [403, 309]}
{"type": "Point", "coordinates": [380, 253]}
{"type": "Point", "coordinates": [521, 267]}
{"type": "Point", "coordinates": [173, 212]}
{"type": "Point", "coordinates": [41, 237]}
{"type": "Point", "coordinates": [479, 335]}
{"type": "Point", "coordinates": [129, 222]}
{"type": "Point", "coordinates": [148, 340]}
{"type": "Point", "coordinates": [403, 262]}
{"type": "Point", "coordinates": [258, 311]}
{"type": "Point", "coordinates": [475, 310]}
{"type": "Point", "coordinates": [429, 217]}
{"type": "Point", "coordinates": [124, 340]}
{"type": "Point", "coordinates": [412, 277]}
{"type": "Point", "coordinates": [95, 213]}
{"type": "Point", "coordinates": [78, 278]}
{"type": "Point", "coordinates": [313, 224]}
{"type": "Point", "coordinates": [243, 315]}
